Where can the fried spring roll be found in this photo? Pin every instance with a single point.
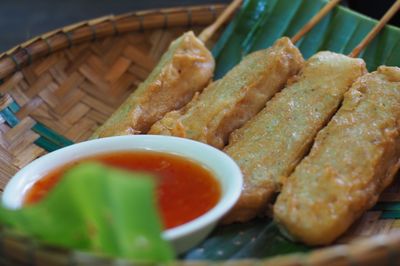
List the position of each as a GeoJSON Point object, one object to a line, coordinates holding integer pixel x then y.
{"type": "Point", "coordinates": [228, 103]}
{"type": "Point", "coordinates": [271, 144]}
{"type": "Point", "coordinates": [353, 160]}
{"type": "Point", "coordinates": [186, 68]}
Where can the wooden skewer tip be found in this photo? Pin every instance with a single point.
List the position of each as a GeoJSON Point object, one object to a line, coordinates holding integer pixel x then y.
{"type": "Point", "coordinates": [375, 30]}
{"type": "Point", "coordinates": [208, 32]}
{"type": "Point", "coordinates": [314, 20]}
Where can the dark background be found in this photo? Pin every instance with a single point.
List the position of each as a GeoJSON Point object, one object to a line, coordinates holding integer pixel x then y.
{"type": "Point", "coordinates": [21, 20]}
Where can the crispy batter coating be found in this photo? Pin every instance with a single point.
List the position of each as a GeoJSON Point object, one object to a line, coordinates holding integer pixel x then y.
{"type": "Point", "coordinates": [186, 68]}
{"type": "Point", "coordinates": [228, 103]}
{"type": "Point", "coordinates": [271, 144]}
{"type": "Point", "coordinates": [353, 160]}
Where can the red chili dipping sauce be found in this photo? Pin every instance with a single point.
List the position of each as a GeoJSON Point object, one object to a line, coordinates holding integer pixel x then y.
{"type": "Point", "coordinates": [185, 189]}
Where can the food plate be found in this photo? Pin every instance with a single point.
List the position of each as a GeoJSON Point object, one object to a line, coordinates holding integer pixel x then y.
{"type": "Point", "coordinates": [58, 88]}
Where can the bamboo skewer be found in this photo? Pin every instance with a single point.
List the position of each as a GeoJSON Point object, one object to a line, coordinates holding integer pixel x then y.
{"type": "Point", "coordinates": [126, 120]}
{"type": "Point", "coordinates": [378, 27]}
{"type": "Point", "coordinates": [370, 36]}
{"type": "Point", "coordinates": [346, 70]}
{"type": "Point", "coordinates": [208, 32]}
{"type": "Point", "coordinates": [347, 122]}
{"type": "Point", "coordinates": [314, 20]}
{"type": "Point", "coordinates": [273, 56]}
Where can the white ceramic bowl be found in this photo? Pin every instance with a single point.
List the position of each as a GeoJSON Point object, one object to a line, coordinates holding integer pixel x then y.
{"type": "Point", "coordinates": [182, 237]}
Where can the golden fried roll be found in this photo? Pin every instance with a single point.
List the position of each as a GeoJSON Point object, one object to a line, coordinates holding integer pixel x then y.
{"type": "Point", "coordinates": [353, 160]}
{"type": "Point", "coordinates": [186, 68]}
{"type": "Point", "coordinates": [271, 144]}
{"type": "Point", "coordinates": [227, 104]}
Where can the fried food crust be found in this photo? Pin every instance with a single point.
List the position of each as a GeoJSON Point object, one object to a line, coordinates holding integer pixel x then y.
{"type": "Point", "coordinates": [228, 103]}
{"type": "Point", "coordinates": [186, 68]}
{"type": "Point", "coordinates": [353, 160]}
{"type": "Point", "coordinates": [270, 145]}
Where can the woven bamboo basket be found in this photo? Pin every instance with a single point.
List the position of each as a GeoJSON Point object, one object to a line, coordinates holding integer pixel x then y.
{"type": "Point", "coordinates": [59, 87]}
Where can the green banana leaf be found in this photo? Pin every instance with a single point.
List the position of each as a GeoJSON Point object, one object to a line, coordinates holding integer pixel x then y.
{"type": "Point", "coordinates": [259, 238]}
{"type": "Point", "coordinates": [95, 208]}
{"type": "Point", "coordinates": [229, 46]}
{"type": "Point", "coordinates": [340, 31]}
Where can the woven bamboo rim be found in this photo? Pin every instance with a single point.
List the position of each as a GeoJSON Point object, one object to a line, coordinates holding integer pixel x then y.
{"type": "Point", "coordinates": [60, 86]}
{"type": "Point", "coordinates": [91, 30]}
